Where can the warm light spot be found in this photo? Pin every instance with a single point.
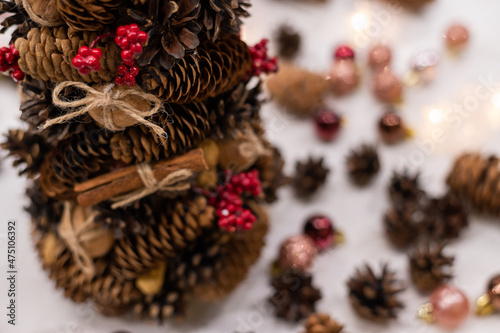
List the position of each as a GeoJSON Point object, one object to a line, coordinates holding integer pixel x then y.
{"type": "Point", "coordinates": [359, 21]}
{"type": "Point", "coordinates": [436, 116]}
{"type": "Point", "coordinates": [496, 100]}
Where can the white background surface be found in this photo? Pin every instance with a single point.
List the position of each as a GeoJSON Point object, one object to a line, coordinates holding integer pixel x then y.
{"type": "Point", "coordinates": [357, 212]}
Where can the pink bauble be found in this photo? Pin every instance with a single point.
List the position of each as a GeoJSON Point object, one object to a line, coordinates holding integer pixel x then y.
{"type": "Point", "coordinates": [387, 87]}
{"type": "Point", "coordinates": [298, 253]}
{"type": "Point", "coordinates": [457, 37]}
{"type": "Point", "coordinates": [380, 57]}
{"type": "Point", "coordinates": [450, 306]}
{"type": "Point", "coordinates": [343, 76]}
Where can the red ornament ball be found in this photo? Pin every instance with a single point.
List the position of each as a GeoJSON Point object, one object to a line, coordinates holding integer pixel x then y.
{"type": "Point", "coordinates": [344, 52]}
{"type": "Point", "coordinates": [327, 125]}
{"type": "Point", "coordinates": [320, 229]}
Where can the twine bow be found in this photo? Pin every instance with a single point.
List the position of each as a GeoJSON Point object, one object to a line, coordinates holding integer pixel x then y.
{"type": "Point", "coordinates": [108, 100]}
{"type": "Point", "coordinates": [74, 238]}
{"type": "Point", "coordinates": [173, 182]}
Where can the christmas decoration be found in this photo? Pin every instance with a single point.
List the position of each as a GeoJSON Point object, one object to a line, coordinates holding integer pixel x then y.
{"type": "Point", "coordinates": [446, 217]}
{"type": "Point", "coordinates": [288, 41]}
{"type": "Point", "coordinates": [392, 129]}
{"type": "Point", "coordinates": [456, 37]}
{"type": "Point", "coordinates": [404, 191]}
{"type": "Point", "coordinates": [363, 164]}
{"type": "Point", "coordinates": [295, 296]}
{"type": "Point", "coordinates": [489, 302]}
{"type": "Point", "coordinates": [379, 57]}
{"type": "Point", "coordinates": [474, 179]}
{"type": "Point", "coordinates": [298, 90]}
{"type": "Point", "coordinates": [429, 267]}
{"type": "Point", "coordinates": [322, 323]}
{"type": "Point", "coordinates": [448, 307]}
{"type": "Point", "coordinates": [144, 145]}
{"type": "Point", "coordinates": [343, 75]}
{"type": "Point", "coordinates": [375, 297]}
{"type": "Point", "coordinates": [309, 176]}
{"type": "Point", "coordinates": [401, 226]}
{"type": "Point", "coordinates": [321, 230]}
{"type": "Point", "coordinates": [297, 253]}
{"type": "Point", "coordinates": [387, 87]}
{"type": "Point", "coordinates": [327, 124]}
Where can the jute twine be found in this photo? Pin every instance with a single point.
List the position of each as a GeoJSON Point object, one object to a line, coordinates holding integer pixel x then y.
{"type": "Point", "coordinates": [109, 100]}
{"type": "Point", "coordinates": [74, 238]}
{"type": "Point", "coordinates": [173, 182]}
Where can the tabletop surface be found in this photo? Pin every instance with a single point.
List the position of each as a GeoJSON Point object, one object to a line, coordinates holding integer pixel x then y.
{"type": "Point", "coordinates": [357, 212]}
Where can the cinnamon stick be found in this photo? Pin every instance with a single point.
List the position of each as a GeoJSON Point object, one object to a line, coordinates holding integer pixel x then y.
{"type": "Point", "coordinates": [127, 179]}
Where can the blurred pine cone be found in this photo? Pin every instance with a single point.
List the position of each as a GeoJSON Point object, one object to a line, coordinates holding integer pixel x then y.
{"type": "Point", "coordinates": [404, 191]}
{"type": "Point", "coordinates": [322, 323]}
{"type": "Point", "coordinates": [309, 176]}
{"type": "Point", "coordinates": [271, 175]}
{"type": "Point", "coordinates": [446, 217]}
{"type": "Point", "coordinates": [294, 297]}
{"type": "Point", "coordinates": [45, 212]}
{"type": "Point", "coordinates": [429, 267]}
{"type": "Point", "coordinates": [15, 15]}
{"type": "Point", "coordinates": [288, 41]}
{"type": "Point", "coordinates": [402, 226]}
{"type": "Point", "coordinates": [363, 164]}
{"type": "Point", "coordinates": [375, 297]}
{"type": "Point", "coordinates": [88, 15]}
{"type": "Point", "coordinates": [222, 16]}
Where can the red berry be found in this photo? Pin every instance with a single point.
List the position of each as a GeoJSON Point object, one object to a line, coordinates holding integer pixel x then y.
{"type": "Point", "coordinates": [327, 125]}
{"type": "Point", "coordinates": [321, 231]}
{"type": "Point", "coordinates": [9, 58]}
{"type": "Point", "coordinates": [97, 53]}
{"type": "Point", "coordinates": [142, 37]}
{"type": "Point", "coordinates": [93, 63]}
{"type": "Point", "coordinates": [4, 49]}
{"type": "Point", "coordinates": [344, 52]}
{"type": "Point", "coordinates": [119, 81]}
{"type": "Point", "coordinates": [122, 70]}
{"type": "Point", "coordinates": [17, 75]}
{"type": "Point", "coordinates": [84, 70]}
{"type": "Point", "coordinates": [121, 31]}
{"type": "Point", "coordinates": [134, 70]}
{"type": "Point", "coordinates": [133, 28]}
{"type": "Point", "coordinates": [118, 40]}
{"type": "Point", "coordinates": [2, 60]}
{"type": "Point", "coordinates": [84, 51]}
{"type": "Point", "coordinates": [124, 44]}
{"type": "Point", "coordinates": [14, 51]}
{"type": "Point", "coordinates": [133, 36]}
{"type": "Point", "coordinates": [129, 79]}
{"type": "Point", "coordinates": [127, 55]}
{"type": "Point", "coordinates": [78, 62]}
{"type": "Point", "coordinates": [136, 48]}
{"type": "Point", "coordinates": [15, 66]}
{"type": "Point", "coordinates": [129, 63]}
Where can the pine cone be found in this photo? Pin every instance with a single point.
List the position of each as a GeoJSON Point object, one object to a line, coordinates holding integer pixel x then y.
{"type": "Point", "coordinates": [45, 212]}
{"type": "Point", "coordinates": [404, 191]}
{"type": "Point", "coordinates": [15, 15]}
{"type": "Point", "coordinates": [74, 161]}
{"type": "Point", "coordinates": [445, 218]}
{"type": "Point", "coordinates": [88, 15]}
{"type": "Point", "coordinates": [178, 223]}
{"type": "Point", "coordinates": [363, 164]}
{"type": "Point", "coordinates": [222, 16]}
{"type": "Point", "coordinates": [270, 168]}
{"type": "Point", "coordinates": [429, 267]}
{"type": "Point", "coordinates": [375, 297]}
{"type": "Point", "coordinates": [199, 76]}
{"type": "Point", "coordinates": [475, 179]}
{"type": "Point", "coordinates": [322, 323]}
{"type": "Point", "coordinates": [294, 297]}
{"type": "Point", "coordinates": [402, 226]}
{"type": "Point", "coordinates": [46, 54]}
{"type": "Point", "coordinates": [28, 150]}
{"type": "Point", "coordinates": [309, 176]}
{"type": "Point", "coordinates": [288, 41]}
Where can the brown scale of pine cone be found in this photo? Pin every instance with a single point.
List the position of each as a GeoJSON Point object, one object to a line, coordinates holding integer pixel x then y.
{"type": "Point", "coordinates": [215, 69]}
{"type": "Point", "coordinates": [404, 191]}
{"type": "Point", "coordinates": [219, 16]}
{"type": "Point", "coordinates": [270, 168]}
{"type": "Point", "coordinates": [88, 15]}
{"type": "Point", "coordinates": [402, 226]}
{"type": "Point", "coordinates": [475, 179]}
{"type": "Point", "coordinates": [28, 150]}
{"type": "Point", "coordinates": [322, 323]}
{"type": "Point", "coordinates": [180, 223]}
{"type": "Point", "coordinates": [46, 54]}
{"type": "Point", "coordinates": [446, 217]}
{"type": "Point", "coordinates": [374, 297]}
{"type": "Point", "coordinates": [45, 212]}
{"type": "Point", "coordinates": [429, 267]}
{"type": "Point", "coordinates": [15, 16]}
{"type": "Point", "coordinates": [309, 176]}
{"type": "Point", "coordinates": [363, 164]}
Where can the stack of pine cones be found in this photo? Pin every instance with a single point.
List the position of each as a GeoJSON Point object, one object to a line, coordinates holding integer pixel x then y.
{"type": "Point", "coordinates": [149, 171]}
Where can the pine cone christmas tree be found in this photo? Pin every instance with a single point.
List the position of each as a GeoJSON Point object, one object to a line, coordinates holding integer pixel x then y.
{"type": "Point", "coordinates": [375, 297]}
{"type": "Point", "coordinates": [146, 147]}
{"type": "Point", "coordinates": [309, 176]}
{"type": "Point", "coordinates": [363, 164]}
{"type": "Point", "coordinates": [429, 267]}
{"type": "Point", "coordinates": [295, 297]}
{"type": "Point", "coordinates": [322, 323]}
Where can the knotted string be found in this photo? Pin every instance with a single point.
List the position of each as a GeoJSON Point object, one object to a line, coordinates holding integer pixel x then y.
{"type": "Point", "coordinates": [74, 238]}
{"type": "Point", "coordinates": [108, 100]}
{"type": "Point", "coordinates": [173, 182]}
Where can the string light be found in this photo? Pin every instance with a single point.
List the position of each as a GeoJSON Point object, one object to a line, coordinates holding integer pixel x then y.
{"type": "Point", "coordinates": [359, 21]}
{"type": "Point", "coordinates": [436, 116]}
{"type": "Point", "coordinates": [496, 100]}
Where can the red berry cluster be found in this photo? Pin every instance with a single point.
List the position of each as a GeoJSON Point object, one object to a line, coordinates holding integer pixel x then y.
{"type": "Point", "coordinates": [9, 57]}
{"type": "Point", "coordinates": [261, 63]}
{"type": "Point", "coordinates": [87, 60]}
{"type": "Point", "coordinates": [344, 52]}
{"type": "Point", "coordinates": [131, 40]}
{"type": "Point", "coordinates": [228, 204]}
